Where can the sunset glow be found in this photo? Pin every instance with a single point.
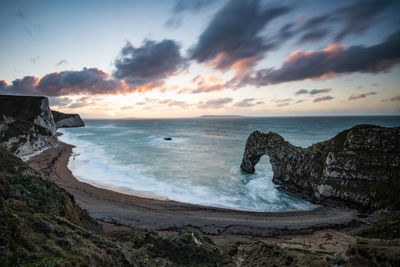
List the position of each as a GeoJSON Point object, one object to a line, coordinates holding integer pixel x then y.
{"type": "Point", "coordinates": [143, 59]}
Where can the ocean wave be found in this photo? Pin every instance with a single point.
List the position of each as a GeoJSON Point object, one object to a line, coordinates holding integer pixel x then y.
{"type": "Point", "coordinates": [100, 166]}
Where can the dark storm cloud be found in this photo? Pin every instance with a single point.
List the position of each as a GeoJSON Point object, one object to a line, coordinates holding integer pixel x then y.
{"type": "Point", "coordinates": [86, 81]}
{"type": "Point", "coordinates": [149, 64]}
{"type": "Point", "coordinates": [315, 28]}
{"type": "Point", "coordinates": [323, 98]}
{"type": "Point", "coordinates": [215, 103]}
{"type": "Point", "coordinates": [3, 86]}
{"type": "Point", "coordinates": [333, 60]}
{"type": "Point", "coordinates": [314, 35]}
{"type": "Point", "coordinates": [357, 17]}
{"type": "Point", "coordinates": [182, 6]}
{"type": "Point", "coordinates": [350, 19]}
{"type": "Point", "coordinates": [247, 102]}
{"type": "Point", "coordinates": [233, 34]}
{"type": "Point", "coordinates": [358, 96]}
{"type": "Point", "coordinates": [24, 86]}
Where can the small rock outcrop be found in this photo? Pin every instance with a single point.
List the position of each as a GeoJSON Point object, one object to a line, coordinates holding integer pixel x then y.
{"type": "Point", "coordinates": [26, 124]}
{"type": "Point", "coordinates": [63, 120]}
{"type": "Point", "coordinates": [358, 168]}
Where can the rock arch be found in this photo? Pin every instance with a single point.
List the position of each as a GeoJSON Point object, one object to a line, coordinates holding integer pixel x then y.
{"type": "Point", "coordinates": [358, 168]}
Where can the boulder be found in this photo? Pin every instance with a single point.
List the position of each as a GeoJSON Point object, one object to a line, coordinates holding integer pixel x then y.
{"type": "Point", "coordinates": [358, 168]}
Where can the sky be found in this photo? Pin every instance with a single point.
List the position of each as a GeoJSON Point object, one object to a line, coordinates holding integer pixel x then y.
{"type": "Point", "coordinates": [187, 58]}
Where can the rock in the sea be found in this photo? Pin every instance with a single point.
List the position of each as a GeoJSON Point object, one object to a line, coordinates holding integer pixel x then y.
{"type": "Point", "coordinates": [26, 124]}
{"type": "Point", "coordinates": [67, 120]}
{"type": "Point", "coordinates": [358, 168]}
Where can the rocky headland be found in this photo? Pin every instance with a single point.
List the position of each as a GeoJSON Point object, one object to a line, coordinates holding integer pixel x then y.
{"type": "Point", "coordinates": [64, 120]}
{"type": "Point", "coordinates": [358, 168]}
{"type": "Point", "coordinates": [26, 124]}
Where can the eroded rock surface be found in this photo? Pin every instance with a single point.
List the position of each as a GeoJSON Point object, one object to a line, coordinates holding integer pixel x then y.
{"type": "Point", "coordinates": [63, 120]}
{"type": "Point", "coordinates": [26, 124]}
{"type": "Point", "coordinates": [358, 168]}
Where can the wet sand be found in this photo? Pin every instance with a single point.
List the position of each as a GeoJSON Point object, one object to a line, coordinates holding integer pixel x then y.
{"type": "Point", "coordinates": [152, 214]}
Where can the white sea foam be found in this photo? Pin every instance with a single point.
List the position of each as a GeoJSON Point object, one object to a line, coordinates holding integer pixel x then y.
{"type": "Point", "coordinates": [94, 164]}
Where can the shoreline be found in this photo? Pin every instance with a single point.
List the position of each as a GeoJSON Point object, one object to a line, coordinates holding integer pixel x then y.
{"type": "Point", "coordinates": [166, 215]}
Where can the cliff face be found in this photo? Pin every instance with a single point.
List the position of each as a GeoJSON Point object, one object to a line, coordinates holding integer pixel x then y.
{"type": "Point", "coordinates": [26, 124]}
{"type": "Point", "coordinates": [358, 168]}
{"type": "Point", "coordinates": [63, 120]}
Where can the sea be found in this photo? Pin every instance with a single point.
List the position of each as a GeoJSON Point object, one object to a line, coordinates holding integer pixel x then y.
{"type": "Point", "coordinates": [201, 164]}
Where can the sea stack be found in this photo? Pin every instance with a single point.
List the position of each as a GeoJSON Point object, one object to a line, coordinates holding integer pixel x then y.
{"type": "Point", "coordinates": [358, 168]}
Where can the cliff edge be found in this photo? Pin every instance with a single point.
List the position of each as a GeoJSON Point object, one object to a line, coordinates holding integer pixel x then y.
{"type": "Point", "coordinates": [26, 124]}
{"type": "Point", "coordinates": [358, 168]}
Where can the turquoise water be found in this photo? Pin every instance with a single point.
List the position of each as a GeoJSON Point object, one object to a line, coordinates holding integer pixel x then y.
{"type": "Point", "coordinates": [201, 163]}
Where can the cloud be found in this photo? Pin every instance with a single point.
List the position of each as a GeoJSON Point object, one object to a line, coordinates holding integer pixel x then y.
{"type": "Point", "coordinates": [301, 92]}
{"type": "Point", "coordinates": [176, 103]}
{"type": "Point", "coordinates": [323, 98]}
{"type": "Point", "coordinates": [395, 98]}
{"type": "Point", "coordinates": [191, 5]}
{"type": "Point", "coordinates": [332, 61]}
{"type": "Point", "coordinates": [205, 84]}
{"type": "Point", "coordinates": [3, 85]}
{"type": "Point", "coordinates": [247, 102]}
{"type": "Point", "coordinates": [65, 102]}
{"type": "Point", "coordinates": [182, 6]}
{"type": "Point", "coordinates": [312, 92]}
{"type": "Point", "coordinates": [232, 39]}
{"type": "Point", "coordinates": [86, 81]}
{"type": "Point", "coordinates": [358, 96]}
{"type": "Point", "coordinates": [147, 66]}
{"type": "Point", "coordinates": [314, 35]}
{"type": "Point", "coordinates": [358, 16]}
{"type": "Point", "coordinates": [59, 101]}
{"type": "Point", "coordinates": [282, 100]}
{"type": "Point", "coordinates": [282, 105]}
{"type": "Point", "coordinates": [215, 103]}
{"type": "Point", "coordinates": [61, 62]}
{"type": "Point", "coordinates": [350, 19]}
{"type": "Point", "coordinates": [319, 91]}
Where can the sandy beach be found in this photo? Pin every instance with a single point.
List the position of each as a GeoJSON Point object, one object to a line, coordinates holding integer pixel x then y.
{"type": "Point", "coordinates": [163, 215]}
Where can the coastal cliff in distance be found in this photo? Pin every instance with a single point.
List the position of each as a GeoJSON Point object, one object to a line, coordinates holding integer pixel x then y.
{"type": "Point", "coordinates": [64, 120]}
{"type": "Point", "coordinates": [26, 124]}
{"type": "Point", "coordinates": [358, 168]}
